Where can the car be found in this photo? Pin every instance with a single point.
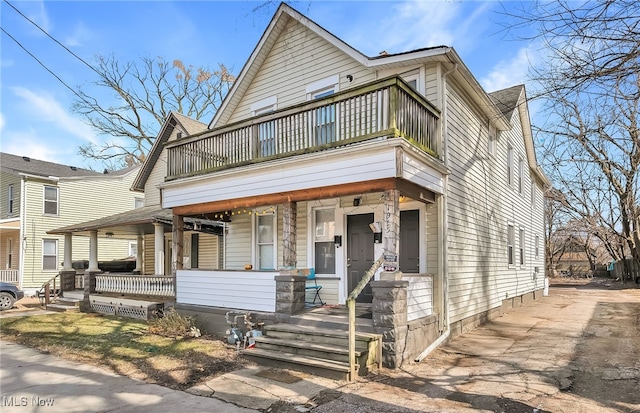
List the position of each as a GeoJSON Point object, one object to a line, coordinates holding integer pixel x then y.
{"type": "Point", "coordinates": [9, 294]}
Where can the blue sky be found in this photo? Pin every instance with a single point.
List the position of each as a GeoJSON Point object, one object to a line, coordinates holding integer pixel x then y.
{"type": "Point", "coordinates": [35, 115]}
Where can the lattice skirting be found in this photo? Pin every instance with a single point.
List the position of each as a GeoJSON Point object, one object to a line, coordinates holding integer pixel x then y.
{"type": "Point", "coordinates": [142, 312]}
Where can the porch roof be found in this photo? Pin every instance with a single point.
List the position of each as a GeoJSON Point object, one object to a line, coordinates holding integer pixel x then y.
{"type": "Point", "coordinates": [135, 222]}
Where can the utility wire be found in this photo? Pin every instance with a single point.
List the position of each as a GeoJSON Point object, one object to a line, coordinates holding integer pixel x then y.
{"type": "Point", "coordinates": [52, 38]}
{"type": "Point", "coordinates": [52, 73]}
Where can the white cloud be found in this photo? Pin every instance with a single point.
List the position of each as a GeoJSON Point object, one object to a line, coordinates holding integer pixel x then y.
{"type": "Point", "coordinates": [46, 108]}
{"type": "Point", "coordinates": [510, 72]}
{"type": "Point", "coordinates": [81, 35]}
{"type": "Point", "coordinates": [30, 143]}
{"type": "Point", "coordinates": [2, 122]}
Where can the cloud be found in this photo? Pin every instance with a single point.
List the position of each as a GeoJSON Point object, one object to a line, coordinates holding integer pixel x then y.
{"type": "Point", "coordinates": [31, 143]}
{"type": "Point", "coordinates": [48, 109]}
{"type": "Point", "coordinates": [2, 122]}
{"type": "Point", "coordinates": [510, 72]}
{"type": "Point", "coordinates": [80, 36]}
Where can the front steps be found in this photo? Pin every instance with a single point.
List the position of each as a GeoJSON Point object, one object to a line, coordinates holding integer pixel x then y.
{"type": "Point", "coordinates": [318, 351]}
{"type": "Point", "coordinates": [65, 305]}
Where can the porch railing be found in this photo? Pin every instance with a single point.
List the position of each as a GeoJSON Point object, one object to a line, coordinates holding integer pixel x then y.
{"type": "Point", "coordinates": [388, 107]}
{"type": "Point", "coordinates": [155, 285]}
{"type": "Point", "coordinates": [351, 305]}
{"type": "Point", "coordinates": [9, 276]}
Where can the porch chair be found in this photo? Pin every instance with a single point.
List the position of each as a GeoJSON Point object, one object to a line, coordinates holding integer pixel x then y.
{"type": "Point", "coordinates": [311, 277]}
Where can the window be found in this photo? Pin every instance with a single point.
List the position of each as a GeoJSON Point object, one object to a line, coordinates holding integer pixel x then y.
{"type": "Point", "coordinates": [325, 116]}
{"type": "Point", "coordinates": [533, 194]}
{"type": "Point", "coordinates": [521, 247]}
{"type": "Point", "coordinates": [49, 254]}
{"type": "Point", "coordinates": [325, 250]}
{"type": "Point", "coordinates": [138, 203]}
{"type": "Point", "coordinates": [9, 253]}
{"type": "Point", "coordinates": [493, 141]}
{"type": "Point", "coordinates": [51, 200]}
{"type": "Point", "coordinates": [265, 241]}
{"type": "Point", "coordinates": [10, 198]}
{"type": "Point", "coordinates": [510, 165]}
{"type": "Point", "coordinates": [511, 240]}
{"type": "Point", "coordinates": [266, 130]}
{"type": "Point", "coordinates": [537, 246]}
{"type": "Point", "coordinates": [520, 176]}
{"type": "Point", "coordinates": [133, 249]}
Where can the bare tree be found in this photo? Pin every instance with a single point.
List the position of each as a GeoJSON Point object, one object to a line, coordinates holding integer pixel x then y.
{"type": "Point", "coordinates": [142, 96]}
{"type": "Point", "coordinates": [590, 86]}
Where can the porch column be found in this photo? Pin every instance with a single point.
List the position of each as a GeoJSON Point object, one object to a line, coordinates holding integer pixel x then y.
{"type": "Point", "coordinates": [93, 252]}
{"type": "Point", "coordinates": [159, 248]}
{"type": "Point", "coordinates": [139, 255]}
{"type": "Point", "coordinates": [67, 264]}
{"type": "Point", "coordinates": [289, 234]}
{"type": "Point", "coordinates": [177, 243]}
{"type": "Point", "coordinates": [391, 230]}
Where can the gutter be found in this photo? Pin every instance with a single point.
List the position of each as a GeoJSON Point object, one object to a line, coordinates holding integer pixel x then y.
{"type": "Point", "coordinates": [443, 235]}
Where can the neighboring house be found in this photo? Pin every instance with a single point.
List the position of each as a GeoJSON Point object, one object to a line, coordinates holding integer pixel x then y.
{"type": "Point", "coordinates": [321, 157]}
{"type": "Point", "coordinates": [38, 196]}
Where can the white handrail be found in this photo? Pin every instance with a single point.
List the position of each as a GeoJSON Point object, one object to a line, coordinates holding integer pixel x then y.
{"type": "Point", "coordinates": [156, 285]}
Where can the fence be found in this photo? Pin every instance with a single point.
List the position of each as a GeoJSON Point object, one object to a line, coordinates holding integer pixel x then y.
{"type": "Point", "coordinates": [155, 285]}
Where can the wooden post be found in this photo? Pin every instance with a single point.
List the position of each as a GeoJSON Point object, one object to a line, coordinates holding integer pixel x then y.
{"type": "Point", "coordinates": [93, 251]}
{"type": "Point", "coordinates": [289, 234]}
{"type": "Point", "coordinates": [177, 242]}
{"type": "Point", "coordinates": [391, 230]}
{"type": "Point", "coordinates": [351, 304]}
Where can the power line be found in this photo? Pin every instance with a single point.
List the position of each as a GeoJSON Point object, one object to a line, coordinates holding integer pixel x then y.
{"type": "Point", "coordinates": [52, 38]}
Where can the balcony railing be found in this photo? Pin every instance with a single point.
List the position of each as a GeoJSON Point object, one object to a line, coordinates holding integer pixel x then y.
{"type": "Point", "coordinates": [9, 276]}
{"type": "Point", "coordinates": [388, 107]}
{"type": "Point", "coordinates": [156, 285]}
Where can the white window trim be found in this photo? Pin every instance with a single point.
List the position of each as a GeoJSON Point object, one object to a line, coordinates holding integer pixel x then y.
{"type": "Point", "coordinates": [511, 242]}
{"type": "Point", "coordinates": [9, 258]}
{"type": "Point", "coordinates": [134, 245]}
{"type": "Point", "coordinates": [43, 254]}
{"type": "Point", "coordinates": [264, 106]}
{"type": "Point", "coordinates": [521, 176]}
{"type": "Point", "coordinates": [418, 75]}
{"type": "Point", "coordinates": [533, 194]}
{"type": "Point", "coordinates": [493, 141]}
{"type": "Point", "coordinates": [10, 198]}
{"type": "Point", "coordinates": [522, 239]}
{"type": "Point", "coordinates": [312, 249]}
{"type": "Point", "coordinates": [254, 236]}
{"type": "Point", "coordinates": [510, 165]}
{"type": "Point", "coordinates": [323, 85]}
{"type": "Point", "coordinates": [536, 246]}
{"type": "Point", "coordinates": [44, 200]}
{"type": "Point", "coordinates": [136, 200]}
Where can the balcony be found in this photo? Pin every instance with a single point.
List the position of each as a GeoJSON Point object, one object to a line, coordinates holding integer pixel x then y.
{"type": "Point", "coordinates": [386, 108]}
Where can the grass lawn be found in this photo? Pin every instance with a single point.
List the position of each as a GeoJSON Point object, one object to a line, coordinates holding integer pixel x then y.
{"type": "Point", "coordinates": [125, 346]}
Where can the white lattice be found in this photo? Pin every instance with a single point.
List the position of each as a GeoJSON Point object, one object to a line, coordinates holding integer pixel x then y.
{"type": "Point", "coordinates": [104, 308]}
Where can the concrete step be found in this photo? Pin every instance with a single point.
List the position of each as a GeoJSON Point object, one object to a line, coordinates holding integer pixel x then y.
{"type": "Point", "coordinates": [319, 367]}
{"type": "Point", "coordinates": [62, 308]}
{"type": "Point", "coordinates": [320, 335]}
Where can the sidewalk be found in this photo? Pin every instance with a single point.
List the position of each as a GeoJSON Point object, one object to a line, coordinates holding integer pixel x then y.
{"type": "Point", "coordinates": [31, 381]}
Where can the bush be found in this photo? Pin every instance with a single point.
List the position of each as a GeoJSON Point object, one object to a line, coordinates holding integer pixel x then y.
{"type": "Point", "coordinates": [172, 324]}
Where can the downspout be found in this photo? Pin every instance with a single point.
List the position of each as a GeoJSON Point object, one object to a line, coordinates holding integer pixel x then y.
{"type": "Point", "coordinates": [443, 238]}
{"type": "Point", "coordinates": [23, 231]}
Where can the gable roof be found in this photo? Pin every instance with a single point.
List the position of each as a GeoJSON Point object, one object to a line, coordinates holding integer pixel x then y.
{"type": "Point", "coordinates": [285, 14]}
{"type": "Point", "coordinates": [174, 120]}
{"type": "Point", "coordinates": [25, 165]}
{"type": "Point", "coordinates": [507, 99]}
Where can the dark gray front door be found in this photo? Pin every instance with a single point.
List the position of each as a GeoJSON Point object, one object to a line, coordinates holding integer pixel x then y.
{"type": "Point", "coordinates": [409, 242]}
{"type": "Point", "coordinates": [359, 253]}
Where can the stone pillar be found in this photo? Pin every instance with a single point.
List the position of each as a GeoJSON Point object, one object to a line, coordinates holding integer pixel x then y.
{"type": "Point", "coordinates": [390, 319]}
{"type": "Point", "coordinates": [159, 248]}
{"type": "Point", "coordinates": [139, 255]}
{"type": "Point", "coordinates": [391, 230]}
{"type": "Point", "coordinates": [177, 244]}
{"type": "Point", "coordinates": [289, 234]}
{"type": "Point", "coordinates": [89, 288]}
{"type": "Point", "coordinates": [67, 264]}
{"type": "Point", "coordinates": [93, 251]}
{"type": "Point", "coordinates": [290, 292]}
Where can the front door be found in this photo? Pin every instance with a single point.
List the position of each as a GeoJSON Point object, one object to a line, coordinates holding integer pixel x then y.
{"type": "Point", "coordinates": [409, 242]}
{"type": "Point", "coordinates": [359, 253]}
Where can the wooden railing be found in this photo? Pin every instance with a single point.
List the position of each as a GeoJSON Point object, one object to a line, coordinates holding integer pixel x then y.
{"type": "Point", "coordinates": [351, 305]}
{"type": "Point", "coordinates": [9, 276]}
{"type": "Point", "coordinates": [50, 291]}
{"type": "Point", "coordinates": [388, 107]}
{"type": "Point", "coordinates": [155, 285]}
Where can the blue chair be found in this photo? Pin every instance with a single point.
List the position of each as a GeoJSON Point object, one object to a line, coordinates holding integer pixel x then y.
{"type": "Point", "coordinates": [311, 277]}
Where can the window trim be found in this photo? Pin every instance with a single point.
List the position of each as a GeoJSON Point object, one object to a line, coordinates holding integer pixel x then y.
{"type": "Point", "coordinates": [264, 106]}
{"type": "Point", "coordinates": [10, 199]}
{"type": "Point", "coordinates": [323, 85]}
{"type": "Point", "coordinates": [327, 238]}
{"type": "Point", "coordinates": [521, 176]}
{"type": "Point", "coordinates": [44, 200]}
{"type": "Point", "coordinates": [537, 246]}
{"type": "Point", "coordinates": [55, 241]}
{"type": "Point", "coordinates": [136, 201]}
{"type": "Point", "coordinates": [521, 245]}
{"type": "Point", "coordinates": [510, 165]}
{"type": "Point", "coordinates": [511, 240]}
{"type": "Point", "coordinates": [492, 147]}
{"type": "Point", "coordinates": [256, 237]}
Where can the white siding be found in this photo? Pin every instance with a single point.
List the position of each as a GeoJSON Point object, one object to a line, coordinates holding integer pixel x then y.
{"type": "Point", "coordinates": [299, 58]}
{"type": "Point", "coordinates": [480, 203]}
{"type": "Point", "coordinates": [328, 293]}
{"type": "Point", "coordinates": [238, 240]}
{"type": "Point", "coordinates": [208, 252]}
{"type": "Point", "coordinates": [419, 296]}
{"type": "Point", "coordinates": [250, 290]}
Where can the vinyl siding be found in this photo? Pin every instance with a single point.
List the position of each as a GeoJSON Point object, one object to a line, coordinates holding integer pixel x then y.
{"type": "Point", "coordinates": [299, 58]}
{"type": "Point", "coordinates": [208, 252]}
{"type": "Point", "coordinates": [79, 200]}
{"type": "Point", "coordinates": [7, 179]}
{"type": "Point", "coordinates": [480, 204]}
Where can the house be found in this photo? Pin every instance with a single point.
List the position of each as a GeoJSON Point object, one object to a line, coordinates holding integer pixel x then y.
{"type": "Point", "coordinates": [38, 196]}
{"type": "Point", "coordinates": [398, 165]}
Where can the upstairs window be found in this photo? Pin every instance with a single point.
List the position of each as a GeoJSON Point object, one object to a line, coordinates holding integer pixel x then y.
{"type": "Point", "coordinates": [511, 240]}
{"type": "Point", "coordinates": [50, 200]}
{"type": "Point", "coordinates": [10, 198]}
{"type": "Point", "coordinates": [493, 141]}
{"type": "Point", "coordinates": [520, 176]}
{"type": "Point", "coordinates": [324, 118]}
{"type": "Point", "coordinates": [510, 165]}
{"type": "Point", "coordinates": [266, 144]}
{"type": "Point", "coordinates": [138, 203]}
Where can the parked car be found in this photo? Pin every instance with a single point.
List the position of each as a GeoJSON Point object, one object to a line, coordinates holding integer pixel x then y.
{"type": "Point", "coordinates": [9, 294]}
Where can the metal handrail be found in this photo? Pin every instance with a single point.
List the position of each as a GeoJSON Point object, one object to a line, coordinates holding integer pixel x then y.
{"type": "Point", "coordinates": [351, 305]}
